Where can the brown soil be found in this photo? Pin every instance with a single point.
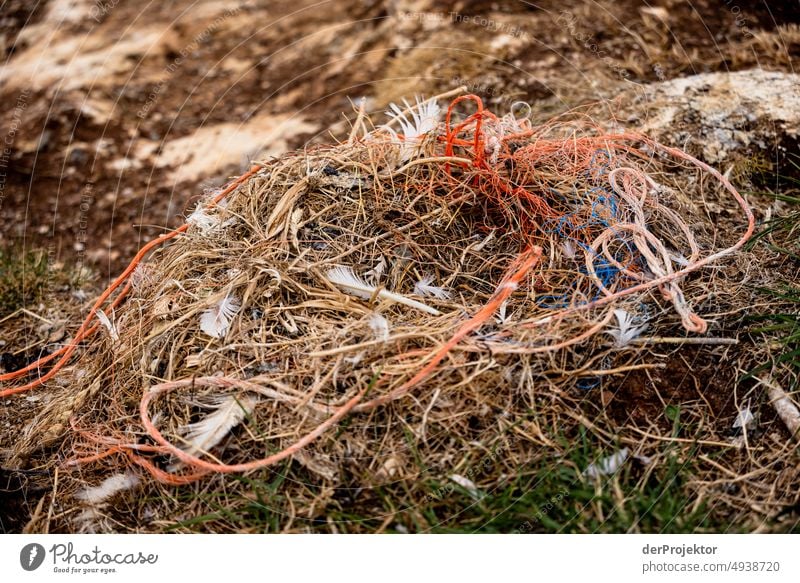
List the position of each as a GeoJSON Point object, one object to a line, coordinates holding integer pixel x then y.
{"type": "Point", "coordinates": [286, 60]}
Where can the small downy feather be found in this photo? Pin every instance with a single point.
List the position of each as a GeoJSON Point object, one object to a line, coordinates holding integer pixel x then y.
{"type": "Point", "coordinates": [625, 330]}
{"type": "Point", "coordinates": [376, 273]}
{"type": "Point", "coordinates": [502, 313]}
{"type": "Point", "coordinates": [468, 485]}
{"type": "Point", "coordinates": [679, 259]}
{"type": "Point", "coordinates": [344, 278]}
{"type": "Point", "coordinates": [608, 465]}
{"type": "Point", "coordinates": [424, 288]}
{"type": "Point", "coordinates": [228, 412]}
{"type": "Point", "coordinates": [87, 521]}
{"type": "Point", "coordinates": [744, 419]}
{"type": "Point", "coordinates": [204, 221]}
{"type": "Point", "coordinates": [379, 326]}
{"type": "Point", "coordinates": [141, 277]}
{"type": "Point", "coordinates": [424, 119]}
{"type": "Point", "coordinates": [108, 488]}
{"type": "Point", "coordinates": [216, 320]}
{"type": "Point", "coordinates": [112, 330]}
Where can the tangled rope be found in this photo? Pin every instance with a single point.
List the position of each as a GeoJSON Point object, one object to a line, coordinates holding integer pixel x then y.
{"type": "Point", "coordinates": [567, 193]}
{"type": "Point", "coordinates": [86, 329]}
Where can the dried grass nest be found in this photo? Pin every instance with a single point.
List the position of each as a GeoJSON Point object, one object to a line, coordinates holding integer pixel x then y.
{"type": "Point", "coordinates": [427, 281]}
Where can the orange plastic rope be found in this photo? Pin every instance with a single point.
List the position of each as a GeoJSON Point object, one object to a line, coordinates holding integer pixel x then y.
{"type": "Point", "coordinates": [520, 202]}
{"type": "Point", "coordinates": [85, 329]}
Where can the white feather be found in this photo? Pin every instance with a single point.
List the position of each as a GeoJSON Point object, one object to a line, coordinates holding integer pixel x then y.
{"type": "Point", "coordinates": [679, 259]}
{"type": "Point", "coordinates": [424, 288]}
{"type": "Point", "coordinates": [112, 330]}
{"type": "Point", "coordinates": [424, 119]}
{"type": "Point", "coordinates": [379, 326]}
{"type": "Point", "coordinates": [205, 222]}
{"type": "Point", "coordinates": [744, 419]}
{"type": "Point", "coordinates": [108, 488]}
{"type": "Point", "coordinates": [502, 313]}
{"type": "Point", "coordinates": [607, 465]}
{"type": "Point", "coordinates": [344, 277]}
{"type": "Point", "coordinates": [216, 320]}
{"type": "Point", "coordinates": [228, 412]}
{"type": "Point", "coordinates": [376, 273]}
{"type": "Point", "coordinates": [486, 240]}
{"type": "Point", "coordinates": [348, 281]}
{"type": "Point", "coordinates": [468, 485]}
{"type": "Point", "coordinates": [568, 249]}
{"type": "Point", "coordinates": [87, 521]}
{"type": "Point", "coordinates": [141, 277]}
{"type": "Point", "coordinates": [625, 330]}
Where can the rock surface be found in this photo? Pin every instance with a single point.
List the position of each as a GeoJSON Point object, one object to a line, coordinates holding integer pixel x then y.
{"type": "Point", "coordinates": [718, 115]}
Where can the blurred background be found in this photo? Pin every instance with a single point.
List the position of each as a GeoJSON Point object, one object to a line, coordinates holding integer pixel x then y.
{"type": "Point", "coordinates": [118, 115]}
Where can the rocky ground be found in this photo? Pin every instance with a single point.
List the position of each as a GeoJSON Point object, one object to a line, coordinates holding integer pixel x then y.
{"type": "Point", "coordinates": [119, 115]}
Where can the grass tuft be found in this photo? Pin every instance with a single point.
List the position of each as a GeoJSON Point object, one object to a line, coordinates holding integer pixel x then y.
{"type": "Point", "coordinates": [23, 279]}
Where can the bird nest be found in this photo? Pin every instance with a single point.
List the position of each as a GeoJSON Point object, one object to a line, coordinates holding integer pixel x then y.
{"type": "Point", "coordinates": [422, 283]}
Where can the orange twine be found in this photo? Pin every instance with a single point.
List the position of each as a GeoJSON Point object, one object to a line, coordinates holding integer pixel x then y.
{"type": "Point", "coordinates": [490, 183]}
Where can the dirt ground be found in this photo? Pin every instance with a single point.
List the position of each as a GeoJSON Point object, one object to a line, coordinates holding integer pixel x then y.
{"type": "Point", "coordinates": [119, 116]}
{"type": "Point", "coordinates": [123, 116]}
